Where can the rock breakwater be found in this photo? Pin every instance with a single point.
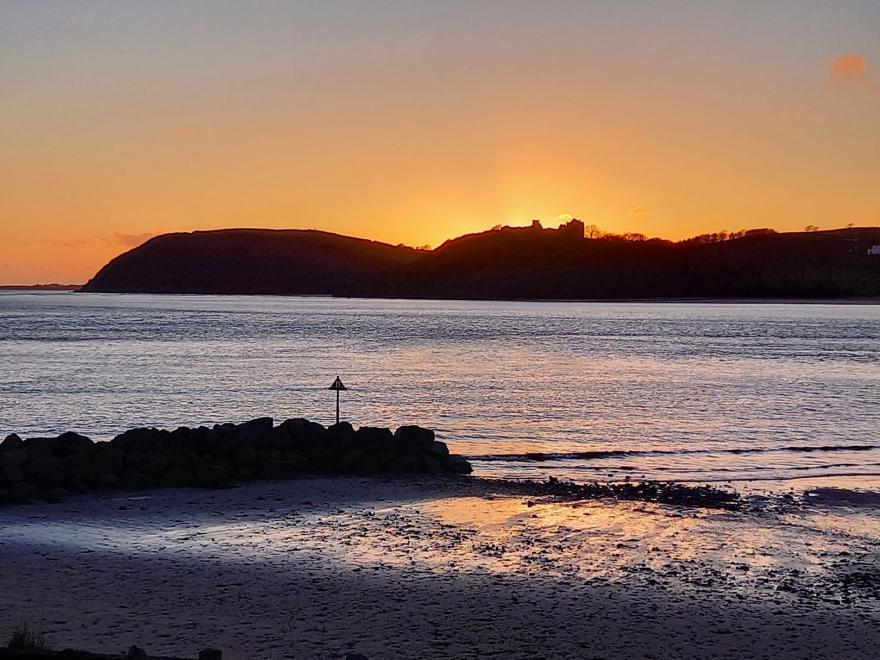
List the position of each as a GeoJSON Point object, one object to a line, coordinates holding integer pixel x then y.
{"type": "Point", "coordinates": [146, 458]}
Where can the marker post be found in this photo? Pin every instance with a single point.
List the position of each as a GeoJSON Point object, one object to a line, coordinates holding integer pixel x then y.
{"type": "Point", "coordinates": [338, 386]}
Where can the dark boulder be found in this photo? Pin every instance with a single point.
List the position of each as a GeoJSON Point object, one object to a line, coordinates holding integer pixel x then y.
{"type": "Point", "coordinates": [382, 462]}
{"type": "Point", "coordinates": [224, 429]}
{"type": "Point", "coordinates": [283, 469]}
{"type": "Point", "coordinates": [176, 477]}
{"type": "Point", "coordinates": [15, 457]}
{"type": "Point", "coordinates": [457, 465]}
{"type": "Point", "coordinates": [212, 476]}
{"type": "Point", "coordinates": [414, 438]}
{"type": "Point", "coordinates": [81, 486]}
{"type": "Point", "coordinates": [132, 480]}
{"type": "Point", "coordinates": [12, 441]}
{"type": "Point", "coordinates": [433, 464]}
{"type": "Point", "coordinates": [186, 459]}
{"type": "Point", "coordinates": [355, 460]}
{"type": "Point", "coordinates": [239, 452]}
{"type": "Point", "coordinates": [277, 438]}
{"type": "Point", "coordinates": [376, 439]}
{"type": "Point", "coordinates": [10, 471]}
{"type": "Point", "coordinates": [201, 440]}
{"type": "Point", "coordinates": [108, 481]}
{"type": "Point", "coordinates": [298, 459]}
{"type": "Point", "coordinates": [406, 463]}
{"type": "Point", "coordinates": [79, 469]}
{"type": "Point", "coordinates": [55, 494]}
{"type": "Point", "coordinates": [246, 473]}
{"type": "Point", "coordinates": [339, 440]}
{"type": "Point", "coordinates": [323, 460]}
{"type": "Point", "coordinates": [136, 653]}
{"type": "Point", "coordinates": [198, 440]}
{"type": "Point", "coordinates": [153, 464]}
{"type": "Point", "coordinates": [45, 471]}
{"type": "Point", "coordinates": [108, 459]}
{"type": "Point", "coordinates": [269, 455]}
{"type": "Point", "coordinates": [302, 428]}
{"type": "Point", "coordinates": [256, 429]}
{"type": "Point", "coordinates": [304, 435]}
{"type": "Point", "coordinates": [71, 443]}
{"type": "Point", "coordinates": [438, 448]}
{"type": "Point", "coordinates": [39, 447]}
{"type": "Point", "coordinates": [142, 439]}
{"type": "Point", "coordinates": [24, 492]}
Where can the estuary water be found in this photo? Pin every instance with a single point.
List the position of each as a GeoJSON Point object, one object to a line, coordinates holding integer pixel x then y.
{"type": "Point", "coordinates": [709, 392]}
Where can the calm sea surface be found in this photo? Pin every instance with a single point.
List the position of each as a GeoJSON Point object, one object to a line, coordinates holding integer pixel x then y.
{"type": "Point", "coordinates": [704, 392]}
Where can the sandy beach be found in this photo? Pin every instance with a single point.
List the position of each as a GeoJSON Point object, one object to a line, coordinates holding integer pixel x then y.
{"type": "Point", "coordinates": [318, 568]}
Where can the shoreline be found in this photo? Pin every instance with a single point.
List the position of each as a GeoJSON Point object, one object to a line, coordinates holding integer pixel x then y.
{"type": "Point", "coordinates": [422, 568]}
{"type": "Point", "coordinates": [663, 300]}
{"type": "Point", "coordinates": [144, 459]}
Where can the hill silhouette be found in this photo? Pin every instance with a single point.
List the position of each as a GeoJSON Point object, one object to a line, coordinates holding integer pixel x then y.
{"type": "Point", "coordinates": [252, 261]}
{"type": "Point", "coordinates": [506, 263]}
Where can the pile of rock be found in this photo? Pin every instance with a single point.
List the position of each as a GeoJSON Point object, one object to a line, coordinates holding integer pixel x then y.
{"type": "Point", "coordinates": [144, 458]}
{"type": "Point", "coordinates": [134, 653]}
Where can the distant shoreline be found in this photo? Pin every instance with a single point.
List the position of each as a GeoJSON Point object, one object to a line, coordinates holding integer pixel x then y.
{"type": "Point", "coordinates": [510, 263]}
{"type": "Point", "coordinates": [710, 301]}
{"type": "Point", "coordinates": [722, 301]}
{"type": "Point", "coordinates": [40, 287]}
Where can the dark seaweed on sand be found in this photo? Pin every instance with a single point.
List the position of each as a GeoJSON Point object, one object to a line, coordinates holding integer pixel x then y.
{"type": "Point", "coordinates": [661, 492]}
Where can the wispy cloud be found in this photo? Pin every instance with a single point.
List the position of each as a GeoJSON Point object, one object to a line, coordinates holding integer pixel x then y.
{"type": "Point", "coordinates": [131, 240]}
{"type": "Point", "coordinates": [848, 69]}
{"type": "Point", "coordinates": [73, 244]}
{"type": "Point", "coordinates": [854, 71]}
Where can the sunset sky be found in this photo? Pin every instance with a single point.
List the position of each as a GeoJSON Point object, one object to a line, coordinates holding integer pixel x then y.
{"type": "Point", "coordinates": [414, 122]}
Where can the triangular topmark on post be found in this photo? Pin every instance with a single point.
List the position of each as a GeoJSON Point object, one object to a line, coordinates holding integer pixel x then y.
{"type": "Point", "coordinates": [338, 386]}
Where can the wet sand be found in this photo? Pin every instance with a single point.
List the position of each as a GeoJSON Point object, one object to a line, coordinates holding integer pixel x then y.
{"type": "Point", "coordinates": [396, 569]}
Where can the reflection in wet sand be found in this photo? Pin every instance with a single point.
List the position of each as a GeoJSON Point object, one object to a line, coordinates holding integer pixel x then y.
{"type": "Point", "coordinates": [774, 542]}
{"type": "Point", "coordinates": [778, 552]}
{"type": "Point", "coordinates": [798, 548]}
